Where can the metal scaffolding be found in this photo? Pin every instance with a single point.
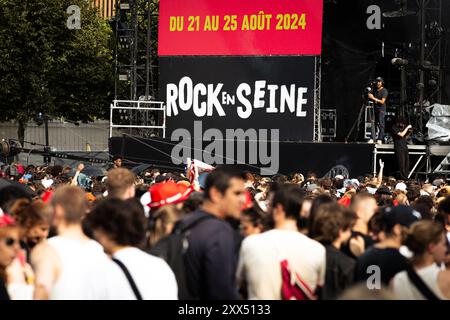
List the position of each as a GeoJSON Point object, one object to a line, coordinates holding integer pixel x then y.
{"type": "Point", "coordinates": [431, 75]}
{"type": "Point", "coordinates": [317, 86]}
{"type": "Point", "coordinates": [135, 27]}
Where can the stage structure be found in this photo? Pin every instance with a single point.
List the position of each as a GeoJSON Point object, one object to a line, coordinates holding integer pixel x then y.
{"type": "Point", "coordinates": [136, 68]}
{"type": "Point", "coordinates": [242, 65]}
{"type": "Point", "coordinates": [138, 115]}
{"type": "Point", "coordinates": [222, 68]}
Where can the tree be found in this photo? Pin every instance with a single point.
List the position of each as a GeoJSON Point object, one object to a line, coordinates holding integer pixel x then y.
{"type": "Point", "coordinates": [48, 68]}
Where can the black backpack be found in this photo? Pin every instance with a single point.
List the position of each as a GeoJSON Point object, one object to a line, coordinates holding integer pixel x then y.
{"type": "Point", "coordinates": [173, 249]}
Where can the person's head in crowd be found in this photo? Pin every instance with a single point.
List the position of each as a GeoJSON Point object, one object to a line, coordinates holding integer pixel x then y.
{"type": "Point", "coordinates": [427, 189]}
{"type": "Point", "coordinates": [98, 188]}
{"type": "Point", "coordinates": [30, 169]}
{"type": "Point", "coordinates": [69, 207]}
{"type": "Point", "coordinates": [365, 206]}
{"type": "Point", "coordinates": [424, 205]}
{"type": "Point", "coordinates": [161, 222]}
{"type": "Point", "coordinates": [286, 206]}
{"type": "Point", "coordinates": [326, 183]}
{"type": "Point", "coordinates": [367, 178]}
{"type": "Point", "coordinates": [11, 171]}
{"type": "Point", "coordinates": [56, 171]}
{"type": "Point", "coordinates": [393, 224]}
{"type": "Point", "coordinates": [10, 194]}
{"type": "Point", "coordinates": [311, 176]}
{"type": "Point", "coordinates": [333, 224]}
{"type": "Point", "coordinates": [338, 183]}
{"type": "Point", "coordinates": [193, 202]}
{"type": "Point", "coordinates": [252, 221]}
{"type": "Point", "coordinates": [351, 184]}
{"type": "Point", "coordinates": [297, 178]}
{"type": "Point", "coordinates": [117, 160]}
{"type": "Point", "coordinates": [116, 224]}
{"type": "Point", "coordinates": [318, 201]}
{"type": "Point", "coordinates": [401, 187]}
{"type": "Point", "coordinates": [427, 241]}
{"type": "Point", "coordinates": [443, 212]}
{"type": "Point", "coordinates": [249, 179]}
{"type": "Point", "coordinates": [33, 219]}
{"type": "Point", "coordinates": [120, 183]}
{"type": "Point", "coordinates": [438, 182]}
{"type": "Point", "coordinates": [154, 173]}
{"type": "Point", "coordinates": [224, 193]}
{"type": "Point", "coordinates": [400, 198]}
{"type": "Point", "coordinates": [278, 179]}
{"type": "Point", "coordinates": [413, 192]}
{"type": "Point", "coordinates": [443, 192]}
{"type": "Point", "coordinates": [9, 243]}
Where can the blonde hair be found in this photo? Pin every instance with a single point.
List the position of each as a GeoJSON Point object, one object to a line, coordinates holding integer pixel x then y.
{"type": "Point", "coordinates": [73, 200]}
{"type": "Point", "coordinates": [420, 235]}
{"type": "Point", "coordinates": [118, 181]}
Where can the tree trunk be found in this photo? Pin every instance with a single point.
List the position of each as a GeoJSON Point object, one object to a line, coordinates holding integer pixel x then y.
{"type": "Point", "coordinates": [21, 132]}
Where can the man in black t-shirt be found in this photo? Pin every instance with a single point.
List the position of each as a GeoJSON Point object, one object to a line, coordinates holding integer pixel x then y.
{"type": "Point", "coordinates": [400, 132]}
{"type": "Point", "coordinates": [379, 96]}
{"type": "Point", "coordinates": [385, 256]}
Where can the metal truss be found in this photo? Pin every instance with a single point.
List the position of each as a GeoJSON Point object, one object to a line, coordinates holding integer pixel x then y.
{"type": "Point", "coordinates": [317, 89]}
{"type": "Point", "coordinates": [431, 75]}
{"type": "Point", "coordinates": [135, 27]}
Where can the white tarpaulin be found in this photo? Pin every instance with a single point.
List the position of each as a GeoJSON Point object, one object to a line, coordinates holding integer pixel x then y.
{"type": "Point", "coordinates": [439, 123]}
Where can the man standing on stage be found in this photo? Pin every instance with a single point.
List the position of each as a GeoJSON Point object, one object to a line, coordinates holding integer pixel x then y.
{"type": "Point", "coordinates": [400, 132]}
{"type": "Point", "coordinates": [379, 97]}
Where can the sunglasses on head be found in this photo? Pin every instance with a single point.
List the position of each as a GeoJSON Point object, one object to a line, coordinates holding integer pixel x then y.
{"type": "Point", "coordinates": [10, 241]}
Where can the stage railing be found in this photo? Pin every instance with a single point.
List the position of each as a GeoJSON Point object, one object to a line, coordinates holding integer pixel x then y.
{"type": "Point", "coordinates": [141, 115]}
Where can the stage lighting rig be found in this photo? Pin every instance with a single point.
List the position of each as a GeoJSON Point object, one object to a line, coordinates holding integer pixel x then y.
{"type": "Point", "coordinates": [401, 12]}
{"type": "Point", "coordinates": [399, 62]}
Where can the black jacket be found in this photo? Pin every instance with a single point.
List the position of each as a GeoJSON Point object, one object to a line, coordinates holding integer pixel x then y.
{"type": "Point", "coordinates": [211, 259]}
{"type": "Point", "coordinates": [3, 292]}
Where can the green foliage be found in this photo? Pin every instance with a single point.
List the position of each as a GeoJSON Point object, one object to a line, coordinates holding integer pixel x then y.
{"type": "Point", "coordinates": [46, 67]}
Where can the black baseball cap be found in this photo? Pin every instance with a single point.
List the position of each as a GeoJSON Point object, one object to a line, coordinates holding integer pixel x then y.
{"type": "Point", "coordinates": [379, 79]}
{"type": "Point", "coordinates": [402, 215]}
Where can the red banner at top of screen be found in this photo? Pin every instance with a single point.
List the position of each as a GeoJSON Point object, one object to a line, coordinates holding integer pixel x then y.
{"type": "Point", "coordinates": [240, 27]}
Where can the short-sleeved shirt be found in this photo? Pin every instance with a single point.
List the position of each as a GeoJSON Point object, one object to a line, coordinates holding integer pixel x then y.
{"type": "Point", "coordinates": [380, 94]}
{"type": "Point", "coordinates": [389, 260]}
{"type": "Point", "coordinates": [260, 257]}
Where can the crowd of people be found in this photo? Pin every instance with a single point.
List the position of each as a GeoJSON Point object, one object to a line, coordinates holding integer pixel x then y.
{"type": "Point", "coordinates": [225, 234]}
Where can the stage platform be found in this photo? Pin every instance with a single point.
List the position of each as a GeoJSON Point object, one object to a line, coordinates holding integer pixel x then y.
{"type": "Point", "coordinates": [423, 158]}
{"type": "Point", "coordinates": [319, 157]}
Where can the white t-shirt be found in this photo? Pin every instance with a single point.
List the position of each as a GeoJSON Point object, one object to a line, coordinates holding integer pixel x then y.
{"type": "Point", "coordinates": [260, 257]}
{"type": "Point", "coordinates": [152, 275]}
{"type": "Point", "coordinates": [83, 263]}
{"type": "Point", "coordinates": [404, 289]}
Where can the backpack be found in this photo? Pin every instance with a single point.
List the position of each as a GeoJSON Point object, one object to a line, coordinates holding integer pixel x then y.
{"type": "Point", "coordinates": [292, 286]}
{"type": "Point", "coordinates": [173, 249]}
